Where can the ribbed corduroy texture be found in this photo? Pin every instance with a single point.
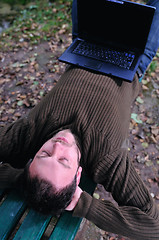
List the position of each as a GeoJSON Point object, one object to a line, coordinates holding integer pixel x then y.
{"type": "Point", "coordinates": [97, 109]}
{"type": "Point", "coordinates": [9, 175]}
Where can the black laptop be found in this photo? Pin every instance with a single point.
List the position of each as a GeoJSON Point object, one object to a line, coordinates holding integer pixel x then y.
{"type": "Point", "coordinates": [111, 36]}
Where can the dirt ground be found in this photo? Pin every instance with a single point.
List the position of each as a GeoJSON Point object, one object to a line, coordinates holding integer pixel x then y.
{"type": "Point", "coordinates": [29, 72]}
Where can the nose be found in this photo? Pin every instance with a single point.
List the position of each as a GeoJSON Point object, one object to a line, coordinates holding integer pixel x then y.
{"type": "Point", "coordinates": [58, 148]}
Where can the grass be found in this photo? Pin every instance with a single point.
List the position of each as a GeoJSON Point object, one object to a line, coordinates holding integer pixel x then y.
{"type": "Point", "coordinates": [11, 2]}
{"type": "Point", "coordinates": [38, 21]}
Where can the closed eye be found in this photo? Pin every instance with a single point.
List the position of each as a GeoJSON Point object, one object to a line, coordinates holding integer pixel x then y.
{"type": "Point", "coordinates": [44, 154]}
{"type": "Point", "coordinates": [64, 162]}
{"type": "Point", "coordinates": [63, 159]}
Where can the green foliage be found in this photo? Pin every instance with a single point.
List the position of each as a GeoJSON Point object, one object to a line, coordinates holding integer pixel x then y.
{"type": "Point", "coordinates": [153, 66]}
{"type": "Point", "coordinates": [11, 2]}
{"type": "Point", "coordinates": [39, 21]}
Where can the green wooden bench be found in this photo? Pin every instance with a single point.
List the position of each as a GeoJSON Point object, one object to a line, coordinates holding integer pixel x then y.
{"type": "Point", "coordinates": [18, 222]}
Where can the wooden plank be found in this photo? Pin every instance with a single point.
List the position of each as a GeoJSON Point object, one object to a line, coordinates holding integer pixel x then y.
{"type": "Point", "coordinates": [66, 227]}
{"type": "Point", "coordinates": [33, 226]}
{"type": "Point", "coordinates": [10, 212]}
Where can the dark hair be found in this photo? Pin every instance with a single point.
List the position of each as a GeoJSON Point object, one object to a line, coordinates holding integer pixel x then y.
{"type": "Point", "coordinates": [43, 196]}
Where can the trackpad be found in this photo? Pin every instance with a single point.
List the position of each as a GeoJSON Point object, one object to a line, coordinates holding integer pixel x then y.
{"type": "Point", "coordinates": [92, 64]}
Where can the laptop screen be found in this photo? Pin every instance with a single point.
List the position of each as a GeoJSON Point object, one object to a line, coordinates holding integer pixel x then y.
{"type": "Point", "coordinates": [116, 22]}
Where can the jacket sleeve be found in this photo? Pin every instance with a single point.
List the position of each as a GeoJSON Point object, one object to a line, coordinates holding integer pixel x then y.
{"type": "Point", "coordinates": [14, 145]}
{"type": "Point", "coordinates": [135, 215]}
{"type": "Point", "coordinates": [19, 141]}
{"type": "Point", "coordinates": [9, 176]}
{"type": "Point", "coordinates": [14, 141]}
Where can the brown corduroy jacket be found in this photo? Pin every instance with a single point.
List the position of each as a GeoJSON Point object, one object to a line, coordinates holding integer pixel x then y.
{"type": "Point", "coordinates": [96, 108]}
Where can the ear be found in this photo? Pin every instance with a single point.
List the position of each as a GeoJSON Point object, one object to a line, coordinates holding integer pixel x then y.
{"type": "Point", "coordinates": [79, 175]}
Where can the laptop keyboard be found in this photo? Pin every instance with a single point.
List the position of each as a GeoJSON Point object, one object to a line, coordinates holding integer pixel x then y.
{"type": "Point", "coordinates": [122, 59]}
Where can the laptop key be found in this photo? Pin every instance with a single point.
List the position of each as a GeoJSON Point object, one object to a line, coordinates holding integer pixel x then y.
{"type": "Point", "coordinates": [122, 59]}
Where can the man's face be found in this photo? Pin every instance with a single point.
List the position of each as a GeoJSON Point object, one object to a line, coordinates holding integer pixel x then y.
{"type": "Point", "coordinates": [58, 159]}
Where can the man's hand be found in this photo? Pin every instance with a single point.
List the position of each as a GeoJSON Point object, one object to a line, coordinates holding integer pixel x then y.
{"type": "Point", "coordinates": [75, 199]}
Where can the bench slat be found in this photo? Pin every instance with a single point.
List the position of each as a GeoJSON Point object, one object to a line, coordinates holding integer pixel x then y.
{"type": "Point", "coordinates": [32, 227]}
{"type": "Point", "coordinates": [34, 224]}
{"type": "Point", "coordinates": [66, 227]}
{"type": "Point", "coordinates": [10, 211]}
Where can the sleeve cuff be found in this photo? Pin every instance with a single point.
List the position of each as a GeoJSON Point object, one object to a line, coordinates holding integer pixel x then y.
{"type": "Point", "coordinates": [9, 175]}
{"type": "Point", "coordinates": [83, 205]}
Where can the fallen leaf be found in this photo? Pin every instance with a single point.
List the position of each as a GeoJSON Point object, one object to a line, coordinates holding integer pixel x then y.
{"type": "Point", "coordinates": [155, 130]}
{"type": "Point", "coordinates": [20, 103]}
{"type": "Point", "coordinates": [145, 145]}
{"type": "Point", "coordinates": [140, 159]}
{"type": "Point", "coordinates": [152, 195]}
{"type": "Point", "coordinates": [136, 118]}
{"type": "Point", "coordinates": [96, 195]}
{"type": "Point", "coordinates": [140, 100]}
{"type": "Point", "coordinates": [153, 139]}
{"type": "Point", "coordinates": [149, 163]}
